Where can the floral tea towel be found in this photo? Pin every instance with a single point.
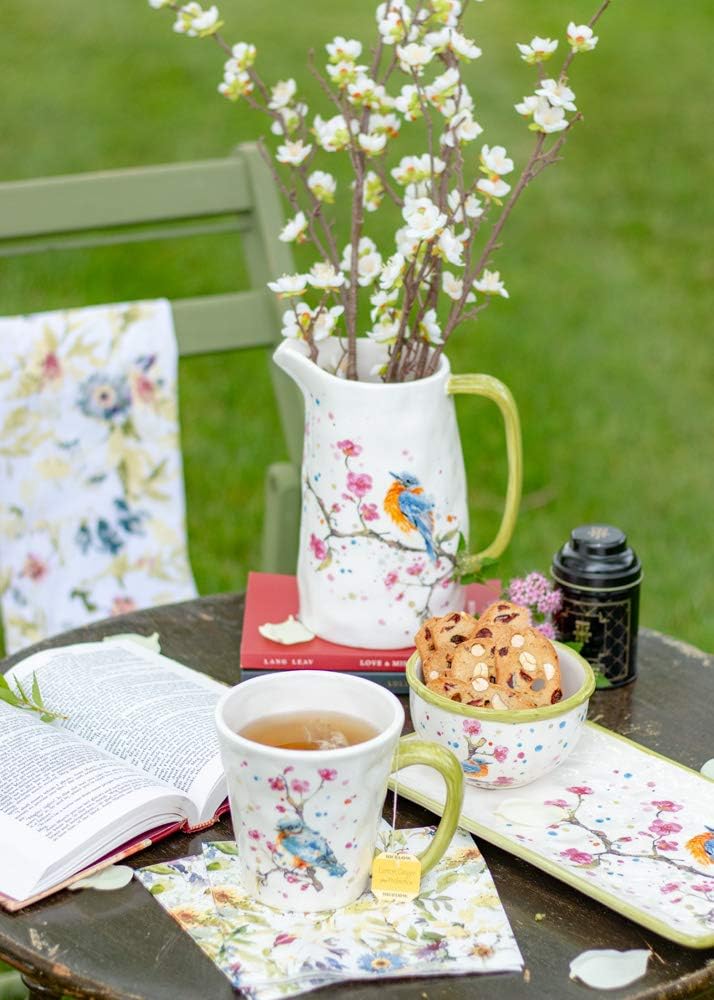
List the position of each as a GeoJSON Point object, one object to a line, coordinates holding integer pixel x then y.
{"type": "Point", "coordinates": [92, 513]}
{"type": "Point", "coordinates": [457, 925]}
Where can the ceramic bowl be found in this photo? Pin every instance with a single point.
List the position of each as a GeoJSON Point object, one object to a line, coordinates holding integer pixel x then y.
{"type": "Point", "coordinates": [509, 748]}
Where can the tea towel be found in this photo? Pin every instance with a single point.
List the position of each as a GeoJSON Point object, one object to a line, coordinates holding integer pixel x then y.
{"type": "Point", "coordinates": [92, 510]}
{"type": "Point", "coordinates": [456, 926]}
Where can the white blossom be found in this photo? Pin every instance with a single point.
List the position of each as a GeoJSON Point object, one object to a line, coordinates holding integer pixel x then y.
{"type": "Point", "coordinates": [493, 187]}
{"type": "Point", "coordinates": [408, 104]}
{"type": "Point", "coordinates": [463, 47]}
{"type": "Point", "coordinates": [243, 54]}
{"type": "Point", "coordinates": [412, 169]}
{"type": "Point", "coordinates": [367, 93]}
{"type": "Point", "coordinates": [282, 94]}
{"type": "Point", "coordinates": [549, 119]}
{"type": "Point", "coordinates": [385, 331]}
{"type": "Point", "coordinates": [581, 38]}
{"type": "Point", "coordinates": [325, 321]}
{"type": "Point", "coordinates": [387, 124]}
{"type": "Point", "coordinates": [461, 101]}
{"type": "Point", "coordinates": [369, 266]}
{"type": "Point", "coordinates": [195, 22]}
{"type": "Point", "coordinates": [490, 284]}
{"type": "Point", "coordinates": [344, 72]}
{"type": "Point", "coordinates": [538, 49]}
{"type": "Point", "coordinates": [322, 185]}
{"type": "Point", "coordinates": [414, 57]}
{"type": "Point", "coordinates": [495, 160]}
{"type": "Point", "coordinates": [407, 244]}
{"type": "Point", "coordinates": [235, 85]}
{"type": "Point", "coordinates": [340, 49]}
{"type": "Point", "coordinates": [372, 191]}
{"type": "Point", "coordinates": [454, 287]}
{"type": "Point", "coordinates": [323, 275]}
{"type": "Point", "coordinates": [462, 128]}
{"type": "Point", "coordinates": [472, 205]}
{"type": "Point", "coordinates": [393, 21]}
{"type": "Point", "coordinates": [294, 229]}
{"type": "Point", "coordinates": [444, 86]}
{"type": "Point", "coordinates": [293, 152]}
{"type": "Point", "coordinates": [423, 218]}
{"type": "Point", "coordinates": [158, 4]}
{"type": "Point", "coordinates": [288, 285]}
{"type": "Point", "coordinates": [366, 247]}
{"type": "Point", "coordinates": [333, 134]}
{"type": "Point", "coordinates": [559, 94]}
{"type": "Point", "coordinates": [392, 272]}
{"type": "Point", "coordinates": [382, 302]}
{"type": "Point", "coordinates": [290, 119]}
{"type": "Point", "coordinates": [372, 145]}
{"type": "Point", "coordinates": [528, 105]}
{"type": "Point", "coordinates": [451, 247]}
{"type": "Point", "coordinates": [429, 328]}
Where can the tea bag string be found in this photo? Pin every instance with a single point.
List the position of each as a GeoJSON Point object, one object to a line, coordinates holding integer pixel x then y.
{"type": "Point", "coordinates": [394, 798]}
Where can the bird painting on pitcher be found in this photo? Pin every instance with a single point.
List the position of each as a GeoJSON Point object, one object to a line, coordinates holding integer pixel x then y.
{"type": "Point", "coordinates": [410, 509]}
{"type": "Point", "coordinates": [306, 848]}
{"type": "Point", "coordinates": [701, 847]}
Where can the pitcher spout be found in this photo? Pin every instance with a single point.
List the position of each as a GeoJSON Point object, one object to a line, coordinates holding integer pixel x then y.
{"type": "Point", "coordinates": [293, 358]}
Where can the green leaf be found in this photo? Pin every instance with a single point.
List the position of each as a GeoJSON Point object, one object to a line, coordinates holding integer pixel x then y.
{"type": "Point", "coordinates": [451, 534]}
{"type": "Point", "coordinates": [3, 682]}
{"type": "Point", "coordinates": [156, 889]}
{"type": "Point", "coordinates": [412, 934]}
{"type": "Point", "coordinates": [471, 578]}
{"type": "Point", "coordinates": [160, 870]}
{"type": "Point", "coordinates": [22, 691]}
{"type": "Point", "coordinates": [325, 562]}
{"type": "Point", "coordinates": [461, 547]}
{"type": "Point", "coordinates": [226, 847]}
{"type": "Point", "coordinates": [214, 866]}
{"type": "Point", "coordinates": [577, 646]}
{"type": "Point", "coordinates": [36, 695]}
{"type": "Point", "coordinates": [601, 681]}
{"type": "Point", "coordinates": [9, 696]}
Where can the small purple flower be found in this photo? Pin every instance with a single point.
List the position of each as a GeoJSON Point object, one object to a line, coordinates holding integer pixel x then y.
{"type": "Point", "coordinates": [550, 603]}
{"type": "Point", "coordinates": [359, 483]}
{"type": "Point", "coordinates": [547, 629]}
{"type": "Point", "coordinates": [319, 549]}
{"type": "Point", "coordinates": [369, 512]}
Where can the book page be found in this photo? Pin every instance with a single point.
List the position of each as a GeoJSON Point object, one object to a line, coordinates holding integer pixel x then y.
{"type": "Point", "coordinates": [64, 802]}
{"type": "Point", "coordinates": [141, 707]}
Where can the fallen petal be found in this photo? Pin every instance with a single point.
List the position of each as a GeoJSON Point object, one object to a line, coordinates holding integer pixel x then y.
{"type": "Point", "coordinates": [147, 641]}
{"type": "Point", "coordinates": [289, 632]}
{"type": "Point", "coordinates": [525, 813]}
{"type": "Point", "coordinates": [113, 877]}
{"type": "Point", "coordinates": [607, 969]}
{"type": "Point", "coordinates": [707, 769]}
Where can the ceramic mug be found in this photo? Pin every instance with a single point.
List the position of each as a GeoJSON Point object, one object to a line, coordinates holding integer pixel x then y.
{"type": "Point", "coordinates": [306, 821]}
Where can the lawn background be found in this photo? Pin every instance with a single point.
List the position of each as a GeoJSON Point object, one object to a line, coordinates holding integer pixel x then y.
{"type": "Point", "coordinates": [605, 341]}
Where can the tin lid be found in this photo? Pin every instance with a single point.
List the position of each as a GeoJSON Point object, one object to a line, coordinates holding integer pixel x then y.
{"type": "Point", "coordinates": [597, 556]}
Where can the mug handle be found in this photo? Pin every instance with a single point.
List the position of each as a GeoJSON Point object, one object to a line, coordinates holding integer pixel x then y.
{"type": "Point", "coordinates": [411, 751]}
{"type": "Point", "coordinates": [492, 388]}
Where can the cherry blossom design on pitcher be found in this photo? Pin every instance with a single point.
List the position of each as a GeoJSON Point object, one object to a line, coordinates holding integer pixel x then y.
{"type": "Point", "coordinates": [298, 852]}
{"type": "Point", "coordinates": [403, 520]}
{"type": "Point", "coordinates": [481, 753]}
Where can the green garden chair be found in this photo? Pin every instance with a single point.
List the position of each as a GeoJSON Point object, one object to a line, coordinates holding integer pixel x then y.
{"type": "Point", "coordinates": [234, 194]}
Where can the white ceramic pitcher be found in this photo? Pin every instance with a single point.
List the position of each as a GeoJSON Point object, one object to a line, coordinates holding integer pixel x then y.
{"type": "Point", "coordinates": [384, 499]}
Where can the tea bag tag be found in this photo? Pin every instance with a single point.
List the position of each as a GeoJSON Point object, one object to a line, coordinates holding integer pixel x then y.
{"type": "Point", "coordinates": [396, 876]}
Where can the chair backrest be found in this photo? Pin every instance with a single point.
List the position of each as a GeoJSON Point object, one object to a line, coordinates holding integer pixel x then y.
{"type": "Point", "coordinates": [234, 194]}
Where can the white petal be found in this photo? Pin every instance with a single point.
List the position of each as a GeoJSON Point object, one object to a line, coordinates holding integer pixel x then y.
{"type": "Point", "coordinates": [147, 641]}
{"type": "Point", "coordinates": [289, 632]}
{"type": "Point", "coordinates": [707, 769]}
{"type": "Point", "coordinates": [607, 969]}
{"type": "Point", "coordinates": [113, 877]}
{"type": "Point", "coordinates": [523, 812]}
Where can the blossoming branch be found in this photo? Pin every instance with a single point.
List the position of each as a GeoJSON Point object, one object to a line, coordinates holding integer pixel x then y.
{"type": "Point", "coordinates": [453, 202]}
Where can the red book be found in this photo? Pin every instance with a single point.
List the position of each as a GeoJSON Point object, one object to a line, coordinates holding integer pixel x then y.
{"type": "Point", "coordinates": [271, 597]}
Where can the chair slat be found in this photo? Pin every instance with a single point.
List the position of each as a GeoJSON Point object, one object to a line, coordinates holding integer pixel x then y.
{"type": "Point", "coordinates": [224, 322]}
{"type": "Point", "coordinates": [67, 204]}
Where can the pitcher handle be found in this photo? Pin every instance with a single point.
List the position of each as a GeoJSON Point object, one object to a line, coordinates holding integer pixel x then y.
{"type": "Point", "coordinates": [492, 388]}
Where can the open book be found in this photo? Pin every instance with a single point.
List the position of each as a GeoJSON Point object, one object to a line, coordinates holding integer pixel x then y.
{"type": "Point", "coordinates": [136, 758]}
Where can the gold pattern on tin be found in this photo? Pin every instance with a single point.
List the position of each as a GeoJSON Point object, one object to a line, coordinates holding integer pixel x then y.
{"type": "Point", "coordinates": [601, 612]}
{"type": "Point", "coordinates": [582, 630]}
{"type": "Point", "coordinates": [596, 532]}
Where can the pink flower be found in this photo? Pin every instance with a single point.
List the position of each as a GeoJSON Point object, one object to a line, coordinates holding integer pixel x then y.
{"type": "Point", "coordinates": [122, 606]}
{"type": "Point", "coordinates": [277, 784]}
{"type": "Point", "coordinates": [281, 809]}
{"type": "Point", "coordinates": [369, 512]}
{"type": "Point", "coordinates": [547, 629]}
{"type": "Point", "coordinates": [319, 549]}
{"type": "Point", "coordinates": [51, 368]}
{"type": "Point", "coordinates": [700, 887]}
{"type": "Point", "coordinates": [580, 790]}
{"type": "Point", "coordinates": [667, 806]}
{"type": "Point", "coordinates": [283, 939]}
{"type": "Point", "coordinates": [35, 568]}
{"type": "Point", "coordinates": [661, 828]}
{"type": "Point", "coordinates": [670, 887]}
{"type": "Point", "coordinates": [666, 845]}
{"type": "Point", "coordinates": [550, 603]}
{"type": "Point", "coordinates": [577, 857]}
{"type": "Point", "coordinates": [561, 803]}
{"type": "Point", "coordinates": [290, 878]}
{"type": "Point", "coordinates": [349, 448]}
{"type": "Point", "coordinates": [335, 508]}
{"type": "Point", "coordinates": [359, 483]}
{"type": "Point", "coordinates": [254, 834]}
{"type": "Point", "coordinates": [327, 773]}
{"type": "Point", "coordinates": [500, 753]}
{"type": "Point", "coordinates": [299, 786]}
{"type": "Point", "coordinates": [415, 569]}
{"type": "Point", "coordinates": [502, 779]}
{"type": "Point", "coordinates": [390, 579]}
{"type": "Point", "coordinates": [271, 846]}
{"type": "Point", "coordinates": [472, 727]}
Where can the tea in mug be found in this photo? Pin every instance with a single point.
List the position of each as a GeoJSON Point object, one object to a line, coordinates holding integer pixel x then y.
{"type": "Point", "coordinates": [309, 730]}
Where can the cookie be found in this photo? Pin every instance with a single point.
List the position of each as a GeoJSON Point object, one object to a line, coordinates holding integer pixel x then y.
{"type": "Point", "coordinates": [506, 613]}
{"type": "Point", "coordinates": [527, 662]}
{"type": "Point", "coordinates": [454, 690]}
{"type": "Point", "coordinates": [424, 639]}
{"type": "Point", "coordinates": [474, 658]}
{"type": "Point", "coordinates": [436, 663]}
{"type": "Point", "coordinates": [450, 631]}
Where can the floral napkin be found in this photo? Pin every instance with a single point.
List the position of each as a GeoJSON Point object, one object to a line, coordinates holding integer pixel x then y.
{"type": "Point", "coordinates": [91, 491]}
{"type": "Point", "coordinates": [456, 925]}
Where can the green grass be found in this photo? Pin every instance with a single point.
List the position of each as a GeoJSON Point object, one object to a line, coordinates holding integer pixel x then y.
{"type": "Point", "coordinates": [608, 260]}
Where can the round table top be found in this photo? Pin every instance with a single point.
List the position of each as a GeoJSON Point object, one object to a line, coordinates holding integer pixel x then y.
{"type": "Point", "coordinates": [121, 944]}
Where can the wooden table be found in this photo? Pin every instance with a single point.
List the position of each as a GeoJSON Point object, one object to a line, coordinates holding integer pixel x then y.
{"type": "Point", "coordinates": [121, 944]}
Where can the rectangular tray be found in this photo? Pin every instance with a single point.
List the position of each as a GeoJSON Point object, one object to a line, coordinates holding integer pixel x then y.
{"type": "Point", "coordinates": [621, 823]}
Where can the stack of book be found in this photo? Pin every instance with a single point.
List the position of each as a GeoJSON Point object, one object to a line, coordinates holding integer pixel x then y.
{"type": "Point", "coordinates": [272, 597]}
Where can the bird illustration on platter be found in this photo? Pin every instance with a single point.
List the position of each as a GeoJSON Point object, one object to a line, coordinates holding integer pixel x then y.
{"type": "Point", "coordinates": [411, 509]}
{"type": "Point", "coordinates": [306, 848]}
{"type": "Point", "coordinates": [701, 847]}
